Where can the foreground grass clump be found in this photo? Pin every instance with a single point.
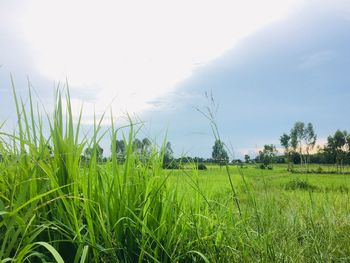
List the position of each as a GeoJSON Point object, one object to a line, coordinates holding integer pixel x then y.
{"type": "Point", "coordinates": [55, 207]}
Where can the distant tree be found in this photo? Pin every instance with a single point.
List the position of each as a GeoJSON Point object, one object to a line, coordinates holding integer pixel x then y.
{"type": "Point", "coordinates": [141, 148]}
{"type": "Point", "coordinates": [168, 158]}
{"type": "Point", "coordinates": [246, 158]}
{"type": "Point", "coordinates": [146, 144]}
{"type": "Point", "coordinates": [338, 146]}
{"type": "Point", "coordinates": [198, 159]}
{"type": "Point", "coordinates": [310, 138]}
{"type": "Point", "coordinates": [266, 156]}
{"type": "Point", "coordinates": [137, 146]}
{"type": "Point", "coordinates": [303, 137]}
{"type": "Point", "coordinates": [285, 142]}
{"type": "Point", "coordinates": [146, 147]}
{"type": "Point", "coordinates": [120, 150]}
{"type": "Point", "coordinates": [219, 153]}
{"type": "Point", "coordinates": [297, 135]}
{"type": "Point", "coordinates": [168, 152]}
{"type": "Point", "coordinates": [98, 151]}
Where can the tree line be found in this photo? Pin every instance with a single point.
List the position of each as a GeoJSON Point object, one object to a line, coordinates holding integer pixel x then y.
{"type": "Point", "coordinates": [144, 149]}
{"type": "Point", "coordinates": [299, 148]}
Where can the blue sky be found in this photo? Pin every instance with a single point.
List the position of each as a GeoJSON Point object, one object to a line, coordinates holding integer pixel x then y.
{"type": "Point", "coordinates": [295, 70]}
{"type": "Point", "coordinates": [266, 70]}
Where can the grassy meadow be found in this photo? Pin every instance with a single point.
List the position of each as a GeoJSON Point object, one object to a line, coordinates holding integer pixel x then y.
{"type": "Point", "coordinates": [56, 208]}
{"type": "Point", "coordinates": [284, 217]}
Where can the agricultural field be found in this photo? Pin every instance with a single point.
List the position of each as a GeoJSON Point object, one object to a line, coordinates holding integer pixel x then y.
{"type": "Point", "coordinates": [56, 209]}
{"type": "Point", "coordinates": [281, 216]}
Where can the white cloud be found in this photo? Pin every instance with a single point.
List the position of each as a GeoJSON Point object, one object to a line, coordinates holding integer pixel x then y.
{"type": "Point", "coordinates": [138, 50]}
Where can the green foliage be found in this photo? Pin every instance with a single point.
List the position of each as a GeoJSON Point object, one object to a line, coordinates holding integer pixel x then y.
{"type": "Point", "coordinates": [298, 184]}
{"type": "Point", "coordinates": [146, 147]}
{"type": "Point", "coordinates": [266, 156]}
{"type": "Point", "coordinates": [247, 158]}
{"type": "Point", "coordinates": [219, 154]}
{"type": "Point", "coordinates": [301, 140]}
{"type": "Point", "coordinates": [143, 149]}
{"type": "Point", "coordinates": [137, 146]}
{"type": "Point", "coordinates": [338, 147]}
{"type": "Point", "coordinates": [97, 150]}
{"type": "Point", "coordinates": [169, 161]}
{"type": "Point", "coordinates": [285, 141]}
{"type": "Point", "coordinates": [120, 150]}
{"type": "Point", "coordinates": [201, 166]}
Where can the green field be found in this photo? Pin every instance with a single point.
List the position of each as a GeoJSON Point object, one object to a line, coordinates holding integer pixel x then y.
{"type": "Point", "coordinates": [284, 216]}
{"type": "Point", "coordinates": [55, 207]}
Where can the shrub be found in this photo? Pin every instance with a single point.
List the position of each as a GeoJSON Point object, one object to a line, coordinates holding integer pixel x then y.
{"type": "Point", "coordinates": [201, 166]}
{"type": "Point", "coordinates": [298, 184]}
{"type": "Point", "coordinates": [262, 166]}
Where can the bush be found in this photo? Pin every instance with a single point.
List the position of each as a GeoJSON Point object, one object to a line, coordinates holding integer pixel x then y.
{"type": "Point", "coordinates": [201, 166]}
{"type": "Point", "coordinates": [298, 184]}
{"type": "Point", "coordinates": [262, 166]}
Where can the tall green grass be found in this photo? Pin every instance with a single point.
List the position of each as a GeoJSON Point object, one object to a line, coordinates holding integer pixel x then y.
{"type": "Point", "coordinates": [53, 206]}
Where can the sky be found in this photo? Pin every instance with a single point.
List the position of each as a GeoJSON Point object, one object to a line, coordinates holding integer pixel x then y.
{"type": "Point", "coordinates": [267, 64]}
